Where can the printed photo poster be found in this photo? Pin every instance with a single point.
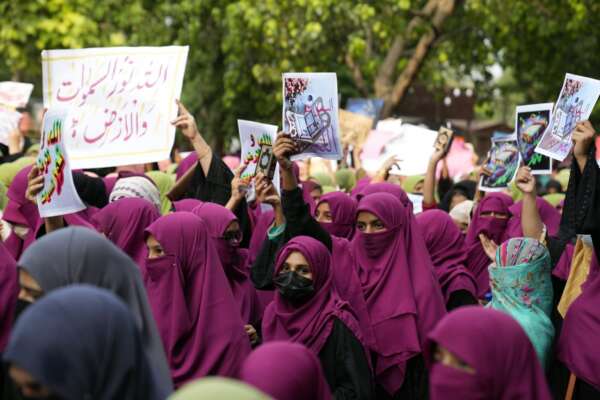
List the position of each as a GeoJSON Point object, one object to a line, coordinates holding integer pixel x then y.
{"type": "Point", "coordinates": [368, 107]}
{"type": "Point", "coordinates": [15, 94]}
{"type": "Point", "coordinates": [531, 122]}
{"type": "Point", "coordinates": [501, 167]}
{"type": "Point", "coordinates": [59, 196]}
{"type": "Point", "coordinates": [443, 140]}
{"type": "Point", "coordinates": [310, 114]}
{"type": "Point", "coordinates": [575, 103]}
{"type": "Point", "coordinates": [121, 101]}
{"type": "Point", "coordinates": [254, 137]}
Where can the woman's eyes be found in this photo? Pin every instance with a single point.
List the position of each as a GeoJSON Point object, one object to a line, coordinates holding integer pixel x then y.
{"type": "Point", "coordinates": [379, 225]}
{"type": "Point", "coordinates": [303, 270]}
{"type": "Point", "coordinates": [285, 268]}
{"type": "Point", "coordinates": [361, 227]}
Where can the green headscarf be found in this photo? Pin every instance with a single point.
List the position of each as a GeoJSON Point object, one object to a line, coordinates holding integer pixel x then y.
{"type": "Point", "coordinates": [328, 189]}
{"type": "Point", "coordinates": [323, 179]}
{"type": "Point", "coordinates": [521, 285]}
{"type": "Point", "coordinates": [515, 192]}
{"type": "Point", "coordinates": [218, 388]}
{"type": "Point", "coordinates": [554, 198]}
{"type": "Point", "coordinates": [345, 179]}
{"type": "Point", "coordinates": [563, 177]}
{"type": "Point", "coordinates": [164, 182]}
{"type": "Point", "coordinates": [411, 181]}
{"type": "Point", "coordinates": [8, 171]}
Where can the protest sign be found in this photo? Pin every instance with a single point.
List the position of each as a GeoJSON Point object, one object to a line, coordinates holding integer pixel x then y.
{"type": "Point", "coordinates": [59, 196]}
{"type": "Point", "coordinates": [121, 101]}
{"type": "Point", "coordinates": [413, 146]}
{"type": "Point", "coordinates": [256, 140]}
{"type": "Point", "coordinates": [15, 94]}
{"type": "Point", "coordinates": [310, 114]}
{"type": "Point", "coordinates": [354, 128]}
{"type": "Point", "coordinates": [501, 166]}
{"type": "Point", "coordinates": [575, 103]}
{"type": "Point", "coordinates": [443, 140]}
{"type": "Point", "coordinates": [531, 122]}
{"type": "Point", "coordinates": [417, 202]}
{"type": "Point", "coordinates": [9, 121]}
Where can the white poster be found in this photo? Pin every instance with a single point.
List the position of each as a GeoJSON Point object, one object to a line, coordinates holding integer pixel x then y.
{"type": "Point", "coordinates": [575, 103]}
{"type": "Point", "coordinates": [9, 121]}
{"type": "Point", "coordinates": [121, 101]}
{"type": "Point", "coordinates": [256, 139]}
{"type": "Point", "coordinates": [310, 114]}
{"type": "Point", "coordinates": [59, 196]}
{"type": "Point", "coordinates": [15, 94]}
{"type": "Point", "coordinates": [413, 146]}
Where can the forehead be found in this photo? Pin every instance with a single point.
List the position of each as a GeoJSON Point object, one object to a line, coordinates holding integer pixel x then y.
{"type": "Point", "coordinates": [366, 216]}
{"type": "Point", "coordinates": [296, 258]}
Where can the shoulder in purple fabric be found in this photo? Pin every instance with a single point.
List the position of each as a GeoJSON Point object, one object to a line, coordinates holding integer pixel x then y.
{"type": "Point", "coordinates": [285, 370]}
{"type": "Point", "coordinates": [194, 308]}
{"type": "Point", "coordinates": [495, 346]}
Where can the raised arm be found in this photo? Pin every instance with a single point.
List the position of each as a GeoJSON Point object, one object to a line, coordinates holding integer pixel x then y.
{"type": "Point", "coordinates": [583, 138]}
{"type": "Point", "coordinates": [531, 222]}
{"type": "Point", "coordinates": [186, 122]}
{"type": "Point", "coordinates": [429, 183]}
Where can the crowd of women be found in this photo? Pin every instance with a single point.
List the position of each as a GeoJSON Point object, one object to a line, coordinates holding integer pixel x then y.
{"type": "Point", "coordinates": [173, 286]}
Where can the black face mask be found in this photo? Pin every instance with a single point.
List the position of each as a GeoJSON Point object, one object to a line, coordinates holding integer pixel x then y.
{"type": "Point", "coordinates": [293, 287]}
{"type": "Point", "coordinates": [21, 306]}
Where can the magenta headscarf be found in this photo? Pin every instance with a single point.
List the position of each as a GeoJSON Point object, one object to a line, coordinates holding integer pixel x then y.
{"type": "Point", "coordinates": [496, 347]}
{"type": "Point", "coordinates": [233, 259]}
{"type": "Point", "coordinates": [385, 187]}
{"type": "Point", "coordinates": [402, 294]}
{"type": "Point", "coordinates": [186, 204]}
{"type": "Point", "coordinates": [578, 344]}
{"type": "Point", "coordinates": [124, 223]}
{"type": "Point", "coordinates": [495, 229]}
{"type": "Point", "coordinates": [196, 314]}
{"type": "Point", "coordinates": [343, 214]}
{"type": "Point", "coordinates": [448, 253]}
{"type": "Point", "coordinates": [307, 188]}
{"type": "Point", "coordinates": [360, 185]}
{"type": "Point", "coordinates": [259, 233]}
{"type": "Point", "coordinates": [185, 164]}
{"type": "Point", "coordinates": [9, 290]}
{"type": "Point", "coordinates": [20, 211]}
{"type": "Point", "coordinates": [312, 322]}
{"type": "Point", "coordinates": [286, 371]}
{"type": "Point", "coordinates": [550, 217]}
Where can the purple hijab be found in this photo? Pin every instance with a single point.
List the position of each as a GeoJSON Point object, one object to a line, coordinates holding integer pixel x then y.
{"type": "Point", "coordinates": [259, 233]}
{"type": "Point", "coordinates": [550, 217]}
{"type": "Point", "coordinates": [9, 290]}
{"type": "Point", "coordinates": [402, 294]}
{"type": "Point", "coordinates": [494, 228]}
{"type": "Point", "coordinates": [578, 344]}
{"type": "Point", "coordinates": [311, 323]}
{"type": "Point", "coordinates": [360, 185]}
{"type": "Point", "coordinates": [186, 204]}
{"type": "Point", "coordinates": [286, 371]}
{"type": "Point", "coordinates": [307, 188]}
{"type": "Point", "coordinates": [233, 259]}
{"type": "Point", "coordinates": [343, 214]}
{"type": "Point", "coordinates": [196, 314]}
{"type": "Point", "coordinates": [496, 347]}
{"type": "Point", "coordinates": [185, 164]}
{"type": "Point", "coordinates": [124, 222]}
{"type": "Point", "coordinates": [448, 253]}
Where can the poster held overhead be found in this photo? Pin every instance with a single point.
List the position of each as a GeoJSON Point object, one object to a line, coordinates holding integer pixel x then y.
{"type": "Point", "coordinates": [413, 147]}
{"type": "Point", "coordinates": [501, 167]}
{"type": "Point", "coordinates": [59, 196]}
{"type": "Point", "coordinates": [444, 139]}
{"type": "Point", "coordinates": [9, 121]}
{"type": "Point", "coordinates": [121, 101]}
{"type": "Point", "coordinates": [15, 94]}
{"type": "Point", "coordinates": [575, 103]}
{"type": "Point", "coordinates": [531, 122]}
{"type": "Point", "coordinates": [310, 114]}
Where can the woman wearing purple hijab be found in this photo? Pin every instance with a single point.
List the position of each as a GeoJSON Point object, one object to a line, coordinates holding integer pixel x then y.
{"type": "Point", "coordinates": [308, 310]}
{"type": "Point", "coordinates": [197, 316]}
{"type": "Point", "coordinates": [124, 222]}
{"type": "Point", "coordinates": [448, 253]}
{"type": "Point", "coordinates": [186, 204]}
{"type": "Point", "coordinates": [9, 290]}
{"type": "Point", "coordinates": [335, 212]}
{"type": "Point", "coordinates": [490, 220]}
{"type": "Point", "coordinates": [224, 228]}
{"type": "Point", "coordinates": [286, 371]}
{"type": "Point", "coordinates": [550, 217]}
{"type": "Point", "coordinates": [402, 294]}
{"type": "Point", "coordinates": [478, 353]}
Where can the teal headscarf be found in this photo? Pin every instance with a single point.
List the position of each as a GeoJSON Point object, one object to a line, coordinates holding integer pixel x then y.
{"type": "Point", "coordinates": [522, 287]}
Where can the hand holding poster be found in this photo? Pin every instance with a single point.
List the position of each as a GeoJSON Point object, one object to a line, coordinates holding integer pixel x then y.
{"type": "Point", "coordinates": [121, 101]}
{"type": "Point", "coordinates": [59, 196]}
{"type": "Point", "coordinates": [310, 114]}
{"type": "Point", "coordinates": [530, 125]}
{"type": "Point", "coordinates": [501, 166]}
{"type": "Point", "coordinates": [256, 140]}
{"type": "Point", "coordinates": [443, 140]}
{"type": "Point", "coordinates": [575, 103]}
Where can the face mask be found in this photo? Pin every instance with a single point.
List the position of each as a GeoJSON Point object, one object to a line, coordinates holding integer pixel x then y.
{"type": "Point", "coordinates": [293, 287]}
{"type": "Point", "coordinates": [21, 231]}
{"type": "Point", "coordinates": [492, 227]}
{"type": "Point", "coordinates": [159, 266]}
{"type": "Point", "coordinates": [447, 383]}
{"type": "Point", "coordinates": [587, 240]}
{"type": "Point", "coordinates": [375, 244]}
{"type": "Point", "coordinates": [21, 306]}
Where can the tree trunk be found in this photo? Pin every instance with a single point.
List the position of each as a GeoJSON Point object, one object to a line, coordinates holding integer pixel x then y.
{"type": "Point", "coordinates": [392, 93]}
